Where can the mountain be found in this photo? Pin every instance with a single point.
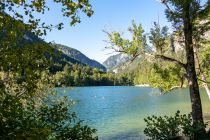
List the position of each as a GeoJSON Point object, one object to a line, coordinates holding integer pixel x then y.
{"type": "Point", "coordinates": [77, 55]}
{"type": "Point", "coordinates": [122, 62]}
{"type": "Point", "coordinates": [129, 66]}
{"type": "Point", "coordinates": [116, 60]}
{"type": "Point", "coordinates": [59, 54]}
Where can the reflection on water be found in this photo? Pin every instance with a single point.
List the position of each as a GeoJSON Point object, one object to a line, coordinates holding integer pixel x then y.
{"type": "Point", "coordinates": [118, 112]}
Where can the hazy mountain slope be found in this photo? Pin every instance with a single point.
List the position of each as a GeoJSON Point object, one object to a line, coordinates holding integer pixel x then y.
{"type": "Point", "coordinates": [75, 54]}
{"type": "Point", "coordinates": [115, 61]}
{"type": "Point", "coordinates": [128, 66]}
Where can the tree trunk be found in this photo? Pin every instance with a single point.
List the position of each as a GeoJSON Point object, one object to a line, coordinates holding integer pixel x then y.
{"type": "Point", "coordinates": [181, 81]}
{"type": "Point", "coordinates": [194, 90]}
{"type": "Point", "coordinates": [197, 115]}
{"type": "Point", "coordinates": [205, 85]}
{"type": "Point", "coordinates": [203, 77]}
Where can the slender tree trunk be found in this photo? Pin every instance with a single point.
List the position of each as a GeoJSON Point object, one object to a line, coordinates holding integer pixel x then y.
{"type": "Point", "coordinates": [194, 90]}
{"type": "Point", "coordinates": [197, 115]}
{"type": "Point", "coordinates": [205, 85]}
{"type": "Point", "coordinates": [181, 81]}
{"type": "Point", "coordinates": [203, 77]}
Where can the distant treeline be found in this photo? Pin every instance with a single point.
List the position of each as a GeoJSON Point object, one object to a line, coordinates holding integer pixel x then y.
{"type": "Point", "coordinates": [80, 75]}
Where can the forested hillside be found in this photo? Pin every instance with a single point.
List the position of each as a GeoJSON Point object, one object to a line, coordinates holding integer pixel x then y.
{"type": "Point", "coordinates": [75, 54]}
{"type": "Point", "coordinates": [64, 54]}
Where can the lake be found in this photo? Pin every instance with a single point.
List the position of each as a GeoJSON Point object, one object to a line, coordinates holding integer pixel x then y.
{"type": "Point", "coordinates": [118, 112]}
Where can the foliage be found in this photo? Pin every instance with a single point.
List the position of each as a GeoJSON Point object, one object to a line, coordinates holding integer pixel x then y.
{"type": "Point", "coordinates": [19, 27]}
{"type": "Point", "coordinates": [143, 73]}
{"type": "Point", "coordinates": [78, 75]}
{"type": "Point", "coordinates": [191, 18]}
{"type": "Point", "coordinates": [26, 81]}
{"type": "Point", "coordinates": [22, 10]}
{"type": "Point", "coordinates": [206, 62]}
{"type": "Point", "coordinates": [133, 47]}
{"type": "Point", "coordinates": [162, 128]}
{"type": "Point", "coordinates": [63, 124]}
{"type": "Point", "coordinates": [24, 112]}
{"type": "Point", "coordinates": [151, 70]}
{"type": "Point", "coordinates": [162, 75]}
{"type": "Point", "coordinates": [19, 122]}
{"type": "Point", "coordinates": [168, 75]}
{"type": "Point", "coordinates": [24, 120]}
{"type": "Point", "coordinates": [32, 114]}
{"type": "Point", "coordinates": [159, 37]}
{"type": "Point", "coordinates": [188, 16]}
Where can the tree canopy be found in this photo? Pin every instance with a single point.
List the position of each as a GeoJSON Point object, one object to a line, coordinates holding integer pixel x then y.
{"type": "Point", "coordinates": [189, 18]}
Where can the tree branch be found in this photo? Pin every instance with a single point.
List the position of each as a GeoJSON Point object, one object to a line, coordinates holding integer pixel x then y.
{"type": "Point", "coordinates": [164, 2]}
{"type": "Point", "coordinates": [19, 94]}
{"type": "Point", "coordinates": [171, 60]}
{"type": "Point", "coordinates": [174, 87]}
{"type": "Point", "coordinates": [205, 11]}
{"type": "Point", "coordinates": [203, 81]}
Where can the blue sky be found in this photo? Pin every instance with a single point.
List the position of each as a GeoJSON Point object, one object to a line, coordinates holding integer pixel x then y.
{"type": "Point", "coordinates": [110, 15]}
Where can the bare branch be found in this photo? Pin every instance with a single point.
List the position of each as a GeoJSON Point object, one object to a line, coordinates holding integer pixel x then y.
{"type": "Point", "coordinates": [170, 60]}
{"type": "Point", "coordinates": [19, 94]}
{"type": "Point", "coordinates": [173, 88]}
{"type": "Point", "coordinates": [116, 50]}
{"type": "Point", "coordinates": [167, 6]}
{"type": "Point", "coordinates": [135, 56]}
{"type": "Point", "coordinates": [203, 81]}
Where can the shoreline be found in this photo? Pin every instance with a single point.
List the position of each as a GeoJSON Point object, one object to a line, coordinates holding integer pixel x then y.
{"type": "Point", "coordinates": [142, 85]}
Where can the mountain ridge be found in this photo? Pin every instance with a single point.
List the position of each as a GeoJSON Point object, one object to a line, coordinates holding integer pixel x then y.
{"type": "Point", "coordinates": [66, 54]}
{"type": "Point", "coordinates": [115, 61]}
{"type": "Point", "coordinates": [79, 56]}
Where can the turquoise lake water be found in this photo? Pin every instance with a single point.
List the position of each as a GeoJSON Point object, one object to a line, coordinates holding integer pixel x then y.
{"type": "Point", "coordinates": [118, 112]}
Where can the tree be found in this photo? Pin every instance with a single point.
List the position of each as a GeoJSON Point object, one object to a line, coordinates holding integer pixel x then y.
{"type": "Point", "coordinates": [18, 20]}
{"type": "Point", "coordinates": [20, 9]}
{"type": "Point", "coordinates": [26, 82]}
{"type": "Point", "coordinates": [178, 127]}
{"type": "Point", "coordinates": [17, 23]}
{"type": "Point", "coordinates": [159, 37]}
{"type": "Point", "coordinates": [174, 73]}
{"type": "Point", "coordinates": [184, 14]}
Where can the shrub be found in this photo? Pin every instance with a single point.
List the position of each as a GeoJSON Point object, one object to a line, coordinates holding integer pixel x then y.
{"type": "Point", "coordinates": [26, 114]}
{"type": "Point", "coordinates": [163, 128]}
{"type": "Point", "coordinates": [51, 120]}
